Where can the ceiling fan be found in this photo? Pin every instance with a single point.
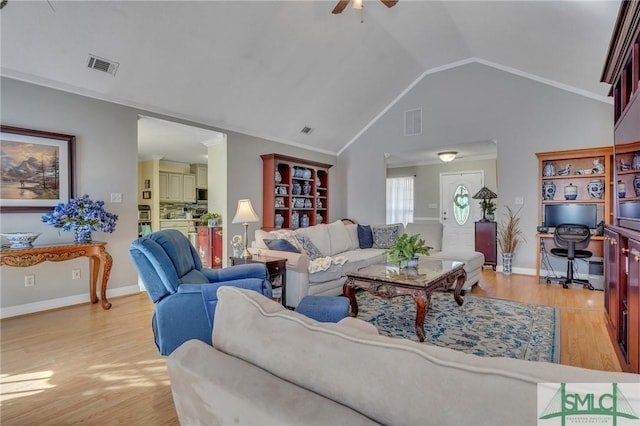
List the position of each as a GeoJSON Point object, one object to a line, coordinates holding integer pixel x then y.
{"type": "Point", "coordinates": [343, 3]}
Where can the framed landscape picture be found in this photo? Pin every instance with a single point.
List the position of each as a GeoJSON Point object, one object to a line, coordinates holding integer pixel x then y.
{"type": "Point", "coordinates": [37, 169]}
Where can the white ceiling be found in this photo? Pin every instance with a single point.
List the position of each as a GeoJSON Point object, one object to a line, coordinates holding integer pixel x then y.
{"type": "Point", "coordinates": [269, 68]}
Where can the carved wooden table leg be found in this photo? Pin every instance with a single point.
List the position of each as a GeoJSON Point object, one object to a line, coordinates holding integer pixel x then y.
{"type": "Point", "coordinates": [421, 312]}
{"type": "Point", "coordinates": [107, 261]}
{"type": "Point", "coordinates": [94, 270]}
{"type": "Point", "coordinates": [459, 283]}
{"type": "Point", "coordinates": [347, 289]}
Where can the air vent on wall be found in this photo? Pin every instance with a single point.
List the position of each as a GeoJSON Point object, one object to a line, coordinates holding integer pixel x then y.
{"type": "Point", "coordinates": [101, 64]}
{"type": "Point", "coordinates": [413, 122]}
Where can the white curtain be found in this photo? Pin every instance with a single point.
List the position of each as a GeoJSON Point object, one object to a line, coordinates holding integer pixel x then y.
{"type": "Point", "coordinates": [400, 200]}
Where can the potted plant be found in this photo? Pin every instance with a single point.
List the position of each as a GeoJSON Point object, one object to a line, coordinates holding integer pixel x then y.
{"type": "Point", "coordinates": [490, 210]}
{"type": "Point", "coordinates": [509, 237]}
{"type": "Point", "coordinates": [211, 219]}
{"type": "Point", "coordinates": [406, 249]}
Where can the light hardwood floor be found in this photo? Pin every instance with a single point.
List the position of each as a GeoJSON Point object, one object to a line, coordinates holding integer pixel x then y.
{"type": "Point", "coordinates": [83, 365]}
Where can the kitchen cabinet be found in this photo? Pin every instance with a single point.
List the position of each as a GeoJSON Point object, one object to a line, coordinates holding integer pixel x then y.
{"type": "Point", "coordinates": [185, 226]}
{"type": "Point", "coordinates": [201, 171]}
{"type": "Point", "coordinates": [295, 192]}
{"type": "Point", "coordinates": [486, 242]}
{"type": "Point", "coordinates": [633, 308]}
{"type": "Point", "coordinates": [177, 187]}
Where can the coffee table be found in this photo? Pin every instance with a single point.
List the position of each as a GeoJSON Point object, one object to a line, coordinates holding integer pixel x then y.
{"type": "Point", "coordinates": [391, 281]}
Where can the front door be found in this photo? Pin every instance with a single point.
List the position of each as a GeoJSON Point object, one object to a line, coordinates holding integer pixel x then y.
{"type": "Point", "coordinates": [458, 211]}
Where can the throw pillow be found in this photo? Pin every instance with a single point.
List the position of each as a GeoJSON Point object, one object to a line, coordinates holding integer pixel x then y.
{"type": "Point", "coordinates": [281, 245]}
{"type": "Point", "coordinates": [365, 237]}
{"type": "Point", "coordinates": [384, 236]}
{"type": "Point", "coordinates": [308, 247]}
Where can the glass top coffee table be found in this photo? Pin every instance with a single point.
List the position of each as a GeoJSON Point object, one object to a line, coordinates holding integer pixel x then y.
{"type": "Point", "coordinates": [391, 281]}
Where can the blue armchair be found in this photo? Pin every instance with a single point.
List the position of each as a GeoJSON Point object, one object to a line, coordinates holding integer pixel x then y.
{"type": "Point", "coordinates": [184, 293]}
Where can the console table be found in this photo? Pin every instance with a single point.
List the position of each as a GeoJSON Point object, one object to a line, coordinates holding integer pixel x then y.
{"type": "Point", "coordinates": [99, 259]}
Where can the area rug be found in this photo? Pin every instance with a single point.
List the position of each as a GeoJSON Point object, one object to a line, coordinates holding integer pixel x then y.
{"type": "Point", "coordinates": [481, 326]}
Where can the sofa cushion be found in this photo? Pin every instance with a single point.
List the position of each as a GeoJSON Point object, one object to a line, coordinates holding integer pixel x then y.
{"type": "Point", "coordinates": [365, 237]}
{"type": "Point", "coordinates": [285, 234]}
{"type": "Point", "coordinates": [308, 247]}
{"type": "Point", "coordinates": [430, 232]}
{"type": "Point", "coordinates": [339, 239]}
{"type": "Point", "coordinates": [319, 235]}
{"type": "Point", "coordinates": [385, 235]}
{"type": "Point", "coordinates": [352, 229]}
{"type": "Point", "coordinates": [280, 244]}
{"type": "Point", "coordinates": [358, 259]}
{"type": "Point", "coordinates": [334, 272]}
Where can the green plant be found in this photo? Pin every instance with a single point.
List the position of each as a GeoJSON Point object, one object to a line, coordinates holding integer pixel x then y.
{"type": "Point", "coordinates": [490, 206]}
{"type": "Point", "coordinates": [407, 247]}
{"type": "Point", "coordinates": [509, 232]}
{"type": "Point", "coordinates": [208, 216]}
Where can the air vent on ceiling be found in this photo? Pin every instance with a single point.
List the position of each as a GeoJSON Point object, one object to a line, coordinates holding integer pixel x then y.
{"type": "Point", "coordinates": [101, 64]}
{"type": "Point", "coordinates": [306, 130]}
{"type": "Point", "coordinates": [413, 122]}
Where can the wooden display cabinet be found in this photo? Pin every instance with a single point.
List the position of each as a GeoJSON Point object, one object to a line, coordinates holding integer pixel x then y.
{"type": "Point", "coordinates": [210, 246]}
{"type": "Point", "coordinates": [299, 188]}
{"type": "Point", "coordinates": [576, 168]}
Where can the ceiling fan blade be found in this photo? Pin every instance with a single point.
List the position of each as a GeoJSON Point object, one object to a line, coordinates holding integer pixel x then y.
{"type": "Point", "coordinates": [340, 6]}
{"type": "Point", "coordinates": [389, 3]}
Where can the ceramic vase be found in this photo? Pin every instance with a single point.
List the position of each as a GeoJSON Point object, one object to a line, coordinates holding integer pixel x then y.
{"type": "Point", "coordinates": [506, 263]}
{"type": "Point", "coordinates": [622, 190]}
{"type": "Point", "coordinates": [319, 218]}
{"type": "Point", "coordinates": [295, 220]}
{"type": "Point", "coordinates": [306, 188]}
{"type": "Point", "coordinates": [548, 190]}
{"type": "Point", "coordinates": [635, 163]}
{"type": "Point", "coordinates": [549, 169]}
{"type": "Point", "coordinates": [278, 177]}
{"type": "Point", "coordinates": [409, 263]}
{"type": "Point", "coordinates": [636, 185]}
{"type": "Point", "coordinates": [596, 188]}
{"type": "Point", "coordinates": [279, 220]}
{"type": "Point", "coordinates": [296, 189]}
{"type": "Point", "coordinates": [304, 221]}
{"type": "Point", "coordinates": [82, 234]}
{"type": "Point", "coordinates": [570, 192]}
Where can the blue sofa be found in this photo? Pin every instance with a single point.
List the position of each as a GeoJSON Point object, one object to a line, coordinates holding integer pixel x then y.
{"type": "Point", "coordinates": [183, 291]}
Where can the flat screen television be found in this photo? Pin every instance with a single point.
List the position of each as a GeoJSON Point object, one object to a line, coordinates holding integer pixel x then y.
{"type": "Point", "coordinates": [579, 214]}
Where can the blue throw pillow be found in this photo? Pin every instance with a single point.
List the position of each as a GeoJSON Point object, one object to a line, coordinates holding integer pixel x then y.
{"type": "Point", "coordinates": [365, 236]}
{"type": "Point", "coordinates": [281, 245]}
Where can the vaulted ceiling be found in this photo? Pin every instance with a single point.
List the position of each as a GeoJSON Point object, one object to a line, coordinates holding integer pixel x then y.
{"type": "Point", "coordinates": [270, 68]}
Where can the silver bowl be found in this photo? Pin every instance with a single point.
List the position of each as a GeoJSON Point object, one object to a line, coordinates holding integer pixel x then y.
{"type": "Point", "coordinates": [21, 239]}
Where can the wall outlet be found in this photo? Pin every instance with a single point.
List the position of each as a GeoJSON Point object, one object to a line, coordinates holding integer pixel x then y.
{"type": "Point", "coordinates": [29, 280]}
{"type": "Point", "coordinates": [519, 201]}
{"type": "Point", "coordinates": [116, 197]}
{"type": "Point", "coordinates": [75, 274]}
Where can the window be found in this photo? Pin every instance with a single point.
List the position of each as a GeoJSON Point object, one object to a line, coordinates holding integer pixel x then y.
{"type": "Point", "coordinates": [400, 200]}
{"type": "Point", "coordinates": [461, 205]}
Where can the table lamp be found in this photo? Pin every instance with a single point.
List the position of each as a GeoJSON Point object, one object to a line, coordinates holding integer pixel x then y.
{"type": "Point", "coordinates": [244, 215]}
{"type": "Point", "coordinates": [485, 194]}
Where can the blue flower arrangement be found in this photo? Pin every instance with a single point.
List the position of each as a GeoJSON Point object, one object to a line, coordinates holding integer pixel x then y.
{"type": "Point", "coordinates": [82, 215]}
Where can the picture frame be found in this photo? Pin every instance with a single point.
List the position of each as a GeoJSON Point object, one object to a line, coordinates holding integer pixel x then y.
{"type": "Point", "coordinates": [38, 169]}
{"type": "Point", "coordinates": [146, 195]}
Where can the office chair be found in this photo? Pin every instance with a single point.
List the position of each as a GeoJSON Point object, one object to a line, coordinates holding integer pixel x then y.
{"type": "Point", "coordinates": [571, 239]}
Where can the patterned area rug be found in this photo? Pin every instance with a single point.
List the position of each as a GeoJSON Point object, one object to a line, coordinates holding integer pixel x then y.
{"type": "Point", "coordinates": [481, 326]}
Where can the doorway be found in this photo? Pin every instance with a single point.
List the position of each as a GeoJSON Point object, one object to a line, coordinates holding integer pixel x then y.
{"type": "Point", "coordinates": [458, 211]}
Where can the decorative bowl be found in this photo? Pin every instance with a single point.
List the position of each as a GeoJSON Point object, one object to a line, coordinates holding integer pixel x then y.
{"type": "Point", "coordinates": [21, 239]}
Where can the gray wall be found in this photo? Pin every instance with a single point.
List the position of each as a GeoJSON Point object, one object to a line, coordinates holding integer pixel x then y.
{"type": "Point", "coordinates": [106, 162]}
{"type": "Point", "coordinates": [471, 103]}
{"type": "Point", "coordinates": [427, 182]}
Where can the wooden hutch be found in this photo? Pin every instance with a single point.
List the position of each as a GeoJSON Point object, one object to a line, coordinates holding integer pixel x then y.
{"type": "Point", "coordinates": [295, 192]}
{"type": "Point", "coordinates": [622, 237]}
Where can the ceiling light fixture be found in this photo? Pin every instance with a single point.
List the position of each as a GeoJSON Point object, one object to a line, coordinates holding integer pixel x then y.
{"type": "Point", "coordinates": [447, 156]}
{"type": "Point", "coordinates": [357, 4]}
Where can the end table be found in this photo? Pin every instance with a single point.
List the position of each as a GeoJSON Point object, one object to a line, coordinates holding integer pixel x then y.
{"type": "Point", "coordinates": [276, 272]}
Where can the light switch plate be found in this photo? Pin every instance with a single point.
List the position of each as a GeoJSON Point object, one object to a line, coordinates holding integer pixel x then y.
{"type": "Point", "coordinates": [116, 197]}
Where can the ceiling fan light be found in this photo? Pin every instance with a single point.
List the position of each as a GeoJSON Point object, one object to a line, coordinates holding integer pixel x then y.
{"type": "Point", "coordinates": [447, 156]}
{"type": "Point", "coordinates": [357, 4]}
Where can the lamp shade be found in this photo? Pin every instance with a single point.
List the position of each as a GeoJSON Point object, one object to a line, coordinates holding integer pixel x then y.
{"type": "Point", "coordinates": [245, 212]}
{"type": "Point", "coordinates": [447, 156]}
{"type": "Point", "coordinates": [485, 194]}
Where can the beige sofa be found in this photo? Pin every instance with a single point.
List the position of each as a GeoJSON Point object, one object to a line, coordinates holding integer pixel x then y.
{"type": "Point", "coordinates": [272, 366]}
{"type": "Point", "coordinates": [338, 239]}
